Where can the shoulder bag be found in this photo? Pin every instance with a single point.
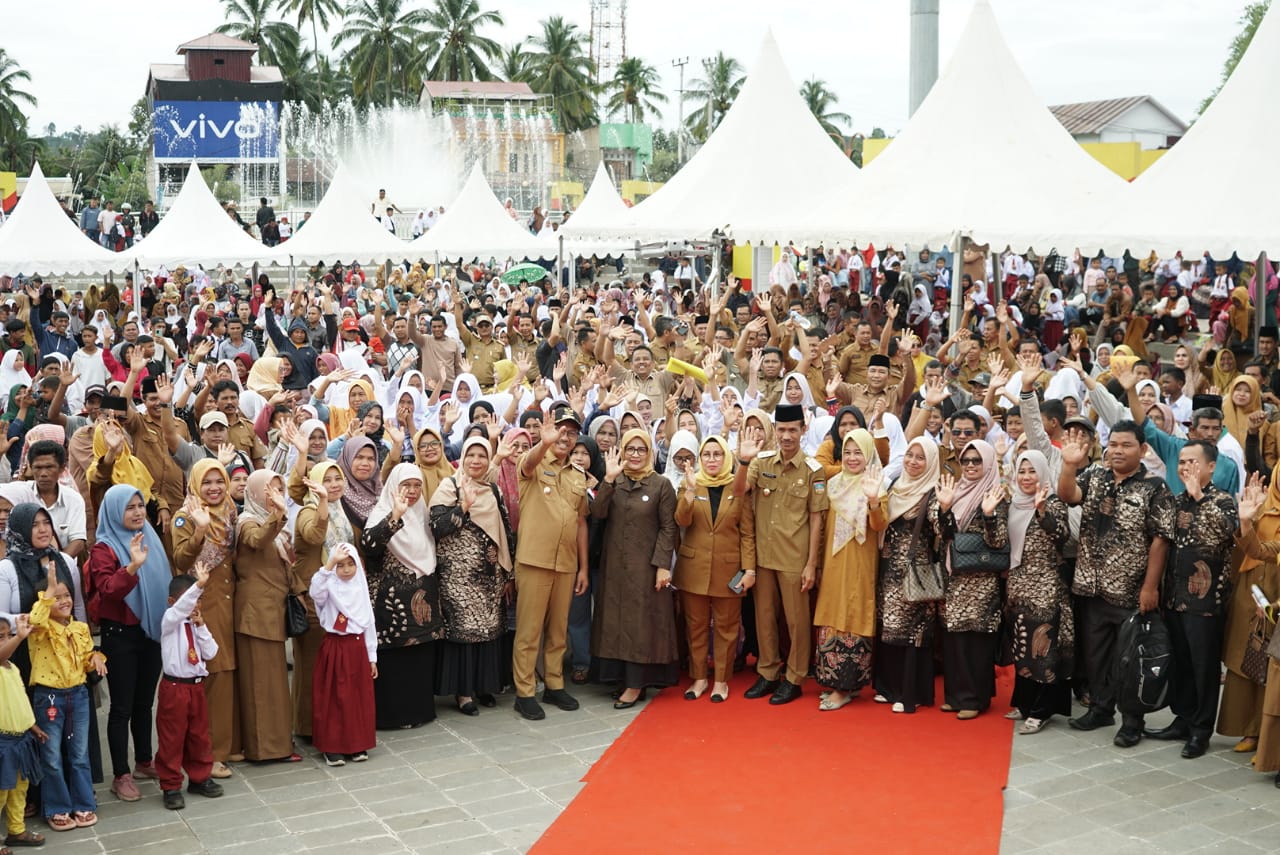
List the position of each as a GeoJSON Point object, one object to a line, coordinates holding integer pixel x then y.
{"type": "Point", "coordinates": [922, 582]}
{"type": "Point", "coordinates": [971, 554]}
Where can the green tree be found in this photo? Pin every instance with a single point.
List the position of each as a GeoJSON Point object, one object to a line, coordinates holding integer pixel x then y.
{"type": "Point", "coordinates": [19, 152]}
{"type": "Point", "coordinates": [453, 44]}
{"type": "Point", "coordinates": [1249, 21]}
{"type": "Point", "coordinates": [635, 90]}
{"type": "Point", "coordinates": [13, 120]}
{"type": "Point", "coordinates": [515, 64]}
{"type": "Point", "coordinates": [382, 41]}
{"type": "Point", "coordinates": [715, 92]}
{"type": "Point", "coordinates": [821, 102]}
{"type": "Point", "coordinates": [559, 68]}
{"type": "Point", "coordinates": [317, 12]}
{"type": "Point", "coordinates": [248, 20]}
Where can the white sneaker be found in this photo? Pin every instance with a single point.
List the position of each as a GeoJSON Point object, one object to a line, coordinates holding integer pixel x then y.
{"type": "Point", "coordinates": [898, 707]}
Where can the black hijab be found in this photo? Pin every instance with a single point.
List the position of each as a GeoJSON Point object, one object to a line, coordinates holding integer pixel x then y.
{"type": "Point", "coordinates": [596, 467]}
{"type": "Point", "coordinates": [26, 558]}
{"type": "Point", "coordinates": [835, 427]}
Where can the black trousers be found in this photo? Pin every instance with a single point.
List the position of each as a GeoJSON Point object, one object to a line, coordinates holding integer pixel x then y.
{"type": "Point", "coordinates": [1097, 644]}
{"type": "Point", "coordinates": [969, 669]}
{"type": "Point", "coordinates": [133, 672]}
{"type": "Point", "coordinates": [904, 674]}
{"type": "Point", "coordinates": [1197, 653]}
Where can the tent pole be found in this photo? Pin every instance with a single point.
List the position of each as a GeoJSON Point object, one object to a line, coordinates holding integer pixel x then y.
{"type": "Point", "coordinates": [137, 289]}
{"type": "Point", "coordinates": [291, 274]}
{"type": "Point", "coordinates": [1259, 295]}
{"type": "Point", "coordinates": [957, 269]}
{"type": "Point", "coordinates": [560, 277]}
{"type": "Point", "coordinates": [386, 274]}
{"type": "Point", "coordinates": [809, 277]}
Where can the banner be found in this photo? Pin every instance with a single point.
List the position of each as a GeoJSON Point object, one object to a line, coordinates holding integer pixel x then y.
{"type": "Point", "coordinates": [216, 131]}
{"type": "Point", "coordinates": [8, 191]}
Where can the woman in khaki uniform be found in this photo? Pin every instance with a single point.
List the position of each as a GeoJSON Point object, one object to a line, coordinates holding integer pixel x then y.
{"type": "Point", "coordinates": [264, 575]}
{"type": "Point", "coordinates": [320, 526]}
{"type": "Point", "coordinates": [204, 530]}
{"type": "Point", "coordinates": [716, 525]}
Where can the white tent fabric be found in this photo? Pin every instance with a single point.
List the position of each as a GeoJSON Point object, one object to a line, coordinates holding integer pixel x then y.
{"type": "Point", "coordinates": [38, 238]}
{"type": "Point", "coordinates": [1205, 193]}
{"type": "Point", "coordinates": [341, 228]}
{"type": "Point", "coordinates": [477, 226]}
{"type": "Point", "coordinates": [982, 157]}
{"type": "Point", "coordinates": [757, 177]}
{"type": "Point", "coordinates": [197, 231]}
{"type": "Point", "coordinates": [601, 208]}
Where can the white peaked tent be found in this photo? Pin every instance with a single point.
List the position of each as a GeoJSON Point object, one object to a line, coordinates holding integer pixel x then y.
{"type": "Point", "coordinates": [341, 228]}
{"type": "Point", "coordinates": [38, 238]}
{"type": "Point", "coordinates": [197, 231]}
{"type": "Point", "coordinates": [477, 226]}
{"type": "Point", "coordinates": [978, 143]}
{"type": "Point", "coordinates": [757, 177]}
{"type": "Point", "coordinates": [601, 208]}
{"type": "Point", "coordinates": [1216, 189]}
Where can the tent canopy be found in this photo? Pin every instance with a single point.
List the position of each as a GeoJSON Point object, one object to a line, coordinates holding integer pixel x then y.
{"type": "Point", "coordinates": [601, 208]}
{"type": "Point", "coordinates": [981, 157]}
{"type": "Point", "coordinates": [477, 226]}
{"type": "Point", "coordinates": [38, 238]}
{"type": "Point", "coordinates": [757, 177]}
{"type": "Point", "coordinates": [341, 229]}
{"type": "Point", "coordinates": [197, 231]}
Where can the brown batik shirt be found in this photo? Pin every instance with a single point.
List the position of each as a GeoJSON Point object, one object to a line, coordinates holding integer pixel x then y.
{"type": "Point", "coordinates": [1197, 579]}
{"type": "Point", "coordinates": [1119, 521]}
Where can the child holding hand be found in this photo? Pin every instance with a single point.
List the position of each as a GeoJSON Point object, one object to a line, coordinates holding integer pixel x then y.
{"type": "Point", "coordinates": [343, 718]}
{"type": "Point", "coordinates": [20, 738]}
{"type": "Point", "coordinates": [61, 655]}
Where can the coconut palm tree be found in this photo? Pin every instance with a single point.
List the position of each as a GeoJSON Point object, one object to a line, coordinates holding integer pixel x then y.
{"type": "Point", "coordinates": [248, 20]}
{"type": "Point", "coordinates": [317, 12]}
{"type": "Point", "coordinates": [721, 80]}
{"type": "Point", "coordinates": [515, 64]}
{"type": "Point", "coordinates": [635, 90]}
{"type": "Point", "coordinates": [19, 152]}
{"type": "Point", "coordinates": [821, 100]}
{"type": "Point", "coordinates": [559, 68]}
{"type": "Point", "coordinates": [455, 49]}
{"type": "Point", "coordinates": [382, 37]}
{"type": "Point", "coordinates": [13, 121]}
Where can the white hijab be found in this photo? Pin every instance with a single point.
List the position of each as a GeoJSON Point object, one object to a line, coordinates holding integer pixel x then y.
{"type": "Point", "coordinates": [351, 597]}
{"type": "Point", "coordinates": [682, 440]}
{"type": "Point", "coordinates": [413, 544]}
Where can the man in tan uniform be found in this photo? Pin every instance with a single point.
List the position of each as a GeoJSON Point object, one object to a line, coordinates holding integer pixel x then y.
{"type": "Point", "coordinates": [551, 560]}
{"type": "Point", "coordinates": [483, 350]}
{"type": "Point", "coordinates": [789, 494]}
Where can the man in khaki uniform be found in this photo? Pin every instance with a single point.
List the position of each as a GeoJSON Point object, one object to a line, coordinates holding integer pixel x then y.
{"type": "Point", "coordinates": [551, 560]}
{"type": "Point", "coordinates": [240, 433]}
{"type": "Point", "coordinates": [483, 350]}
{"type": "Point", "coordinates": [789, 494]}
{"type": "Point", "coordinates": [522, 342]}
{"type": "Point", "coordinates": [855, 358]}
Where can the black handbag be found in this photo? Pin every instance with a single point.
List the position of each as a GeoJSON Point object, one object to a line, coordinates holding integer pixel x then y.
{"type": "Point", "coordinates": [971, 554]}
{"type": "Point", "coordinates": [295, 615]}
{"type": "Point", "coordinates": [922, 582]}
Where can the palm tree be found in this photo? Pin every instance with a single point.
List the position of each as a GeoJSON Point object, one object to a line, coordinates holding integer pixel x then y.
{"type": "Point", "coordinates": [515, 64]}
{"type": "Point", "coordinates": [716, 89]}
{"type": "Point", "coordinates": [19, 152]}
{"type": "Point", "coordinates": [247, 20]}
{"type": "Point", "coordinates": [821, 100]}
{"type": "Point", "coordinates": [315, 11]}
{"type": "Point", "coordinates": [456, 49]}
{"type": "Point", "coordinates": [13, 121]}
{"type": "Point", "coordinates": [559, 68]}
{"type": "Point", "coordinates": [635, 90]}
{"type": "Point", "coordinates": [383, 38]}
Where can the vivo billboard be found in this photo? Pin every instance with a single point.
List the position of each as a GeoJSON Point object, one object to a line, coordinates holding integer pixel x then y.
{"type": "Point", "coordinates": [216, 131]}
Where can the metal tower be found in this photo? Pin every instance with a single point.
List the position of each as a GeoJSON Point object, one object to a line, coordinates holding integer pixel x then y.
{"type": "Point", "coordinates": [608, 37]}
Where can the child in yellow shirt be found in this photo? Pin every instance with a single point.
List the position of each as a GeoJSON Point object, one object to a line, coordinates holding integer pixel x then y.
{"type": "Point", "coordinates": [20, 739]}
{"type": "Point", "coordinates": [61, 654]}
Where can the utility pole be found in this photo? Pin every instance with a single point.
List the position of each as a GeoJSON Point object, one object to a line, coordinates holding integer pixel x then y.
{"type": "Point", "coordinates": [680, 64]}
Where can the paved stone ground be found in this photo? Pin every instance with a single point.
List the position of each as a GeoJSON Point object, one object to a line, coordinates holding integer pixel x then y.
{"type": "Point", "coordinates": [1071, 792]}
{"type": "Point", "coordinates": [494, 783]}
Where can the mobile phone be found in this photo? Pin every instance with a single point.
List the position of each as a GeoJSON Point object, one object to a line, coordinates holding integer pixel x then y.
{"type": "Point", "coordinates": [735, 584]}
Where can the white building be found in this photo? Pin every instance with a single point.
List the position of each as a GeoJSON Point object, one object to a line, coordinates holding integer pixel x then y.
{"type": "Point", "coordinates": [1141, 119]}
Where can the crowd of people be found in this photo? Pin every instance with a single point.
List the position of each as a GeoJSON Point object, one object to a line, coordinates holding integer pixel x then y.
{"type": "Point", "coordinates": [434, 484]}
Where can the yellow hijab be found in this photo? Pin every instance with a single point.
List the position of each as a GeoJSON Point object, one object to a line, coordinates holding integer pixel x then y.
{"type": "Point", "coordinates": [1222, 377]}
{"type": "Point", "coordinates": [219, 532]}
{"type": "Point", "coordinates": [1267, 525]}
{"type": "Point", "coordinates": [769, 443]}
{"type": "Point", "coordinates": [126, 470]}
{"type": "Point", "coordinates": [636, 433]}
{"type": "Point", "coordinates": [264, 376]}
{"type": "Point", "coordinates": [726, 471]}
{"type": "Point", "coordinates": [432, 476]}
{"type": "Point", "coordinates": [341, 417]}
{"type": "Point", "coordinates": [849, 505]}
{"type": "Point", "coordinates": [1236, 419]}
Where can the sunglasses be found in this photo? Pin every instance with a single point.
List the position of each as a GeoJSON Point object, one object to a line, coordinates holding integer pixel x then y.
{"type": "Point", "coordinates": [964, 432]}
{"type": "Point", "coordinates": [970, 461]}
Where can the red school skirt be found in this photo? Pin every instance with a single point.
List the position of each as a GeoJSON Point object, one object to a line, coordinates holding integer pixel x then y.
{"type": "Point", "coordinates": [342, 714]}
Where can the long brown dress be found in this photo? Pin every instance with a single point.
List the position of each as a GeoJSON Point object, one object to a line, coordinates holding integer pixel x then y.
{"type": "Point", "coordinates": [1240, 712]}
{"type": "Point", "coordinates": [846, 609]}
{"type": "Point", "coordinates": [263, 578]}
{"type": "Point", "coordinates": [633, 633]}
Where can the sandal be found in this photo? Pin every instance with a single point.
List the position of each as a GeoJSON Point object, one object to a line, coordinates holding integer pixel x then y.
{"type": "Point", "coordinates": [85, 818]}
{"type": "Point", "coordinates": [829, 704]}
{"type": "Point", "coordinates": [579, 676]}
{"type": "Point", "coordinates": [61, 822]}
{"type": "Point", "coordinates": [1032, 725]}
{"type": "Point", "coordinates": [1014, 715]}
{"type": "Point", "coordinates": [26, 838]}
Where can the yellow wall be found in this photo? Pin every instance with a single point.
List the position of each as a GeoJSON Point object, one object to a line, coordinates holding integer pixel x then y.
{"type": "Point", "coordinates": [8, 189]}
{"type": "Point", "coordinates": [1126, 159]}
{"type": "Point", "coordinates": [634, 190]}
{"type": "Point", "coordinates": [571, 190]}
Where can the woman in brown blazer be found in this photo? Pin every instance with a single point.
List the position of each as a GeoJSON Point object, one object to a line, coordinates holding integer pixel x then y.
{"type": "Point", "coordinates": [717, 527]}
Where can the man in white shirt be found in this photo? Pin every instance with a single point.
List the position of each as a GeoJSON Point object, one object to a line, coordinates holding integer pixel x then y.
{"type": "Point", "coordinates": [87, 361]}
{"type": "Point", "coordinates": [46, 461]}
{"type": "Point", "coordinates": [107, 226]}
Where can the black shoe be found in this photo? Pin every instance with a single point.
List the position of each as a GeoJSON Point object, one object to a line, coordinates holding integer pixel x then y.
{"type": "Point", "coordinates": [334, 760]}
{"type": "Point", "coordinates": [560, 698]}
{"type": "Point", "coordinates": [528, 708]}
{"type": "Point", "coordinates": [487, 700]}
{"type": "Point", "coordinates": [208, 788]}
{"type": "Point", "coordinates": [1278, 779]}
{"type": "Point", "coordinates": [1127, 737]}
{"type": "Point", "coordinates": [626, 705]}
{"type": "Point", "coordinates": [1195, 747]}
{"type": "Point", "coordinates": [1176, 731]}
{"type": "Point", "coordinates": [760, 688]}
{"type": "Point", "coordinates": [1092, 720]}
{"type": "Point", "coordinates": [173, 800]}
{"type": "Point", "coordinates": [469, 708]}
{"type": "Point", "coordinates": [785, 693]}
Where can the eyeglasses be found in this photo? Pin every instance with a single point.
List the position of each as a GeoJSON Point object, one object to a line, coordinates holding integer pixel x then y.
{"type": "Point", "coordinates": [635, 451]}
{"type": "Point", "coordinates": [964, 432]}
{"type": "Point", "coordinates": [430, 444]}
{"type": "Point", "coordinates": [970, 461]}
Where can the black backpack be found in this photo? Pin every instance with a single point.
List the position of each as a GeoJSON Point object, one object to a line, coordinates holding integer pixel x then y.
{"type": "Point", "coordinates": [1143, 664]}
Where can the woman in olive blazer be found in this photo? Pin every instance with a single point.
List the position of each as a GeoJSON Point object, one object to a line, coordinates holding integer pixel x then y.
{"type": "Point", "coordinates": [718, 528]}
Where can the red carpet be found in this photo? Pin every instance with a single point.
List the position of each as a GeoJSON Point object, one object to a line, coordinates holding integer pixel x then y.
{"type": "Point", "coordinates": [745, 777]}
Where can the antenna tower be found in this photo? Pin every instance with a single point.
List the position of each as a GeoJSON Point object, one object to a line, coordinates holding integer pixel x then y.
{"type": "Point", "coordinates": [608, 37]}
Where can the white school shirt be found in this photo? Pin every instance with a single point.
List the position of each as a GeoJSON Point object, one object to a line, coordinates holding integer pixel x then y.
{"type": "Point", "coordinates": [327, 611]}
{"type": "Point", "coordinates": [174, 646]}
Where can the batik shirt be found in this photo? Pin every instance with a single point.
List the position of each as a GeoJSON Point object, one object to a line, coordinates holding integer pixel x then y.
{"type": "Point", "coordinates": [1197, 579]}
{"type": "Point", "coordinates": [1118, 523]}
